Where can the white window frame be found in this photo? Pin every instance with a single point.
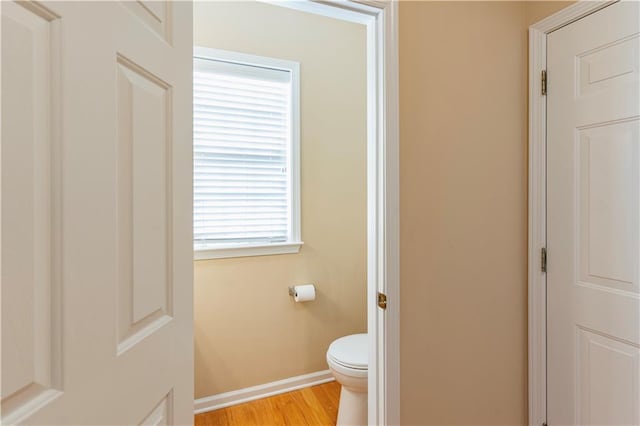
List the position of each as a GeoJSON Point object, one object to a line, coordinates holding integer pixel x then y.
{"type": "Point", "coordinates": [293, 244]}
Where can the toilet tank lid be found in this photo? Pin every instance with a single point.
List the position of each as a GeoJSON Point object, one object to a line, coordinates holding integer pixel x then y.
{"type": "Point", "coordinates": [351, 351]}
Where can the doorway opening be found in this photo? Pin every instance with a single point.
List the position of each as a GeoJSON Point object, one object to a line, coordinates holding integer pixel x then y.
{"type": "Point", "coordinates": [382, 200]}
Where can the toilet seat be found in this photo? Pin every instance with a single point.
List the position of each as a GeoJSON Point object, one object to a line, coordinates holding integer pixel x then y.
{"type": "Point", "coordinates": [348, 361]}
{"type": "Point", "coordinates": [349, 355]}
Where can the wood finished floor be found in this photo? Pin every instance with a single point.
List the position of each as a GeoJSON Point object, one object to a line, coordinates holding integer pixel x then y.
{"type": "Point", "coordinates": [316, 405]}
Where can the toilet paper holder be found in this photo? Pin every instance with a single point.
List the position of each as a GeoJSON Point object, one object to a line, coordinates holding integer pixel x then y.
{"type": "Point", "coordinates": [292, 289]}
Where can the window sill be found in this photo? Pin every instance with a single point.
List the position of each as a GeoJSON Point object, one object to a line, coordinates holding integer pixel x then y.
{"type": "Point", "coordinates": [245, 251]}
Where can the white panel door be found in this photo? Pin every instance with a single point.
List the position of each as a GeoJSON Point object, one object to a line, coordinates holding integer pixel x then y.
{"type": "Point", "coordinates": [96, 213]}
{"type": "Point", "coordinates": [593, 216]}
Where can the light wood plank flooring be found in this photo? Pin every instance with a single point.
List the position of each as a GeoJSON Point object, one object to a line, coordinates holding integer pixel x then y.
{"type": "Point", "coordinates": [316, 405]}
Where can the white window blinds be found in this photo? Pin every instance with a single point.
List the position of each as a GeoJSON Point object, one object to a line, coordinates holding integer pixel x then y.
{"type": "Point", "coordinates": [242, 117]}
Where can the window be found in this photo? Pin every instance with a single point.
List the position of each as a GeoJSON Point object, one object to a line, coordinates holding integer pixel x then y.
{"type": "Point", "coordinates": [245, 155]}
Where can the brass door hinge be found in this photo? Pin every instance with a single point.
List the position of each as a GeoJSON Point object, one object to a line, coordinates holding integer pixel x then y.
{"type": "Point", "coordinates": [382, 300]}
{"type": "Point", "coordinates": [543, 81]}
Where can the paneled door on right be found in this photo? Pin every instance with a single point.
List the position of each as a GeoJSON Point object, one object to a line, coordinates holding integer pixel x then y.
{"type": "Point", "coordinates": [593, 218]}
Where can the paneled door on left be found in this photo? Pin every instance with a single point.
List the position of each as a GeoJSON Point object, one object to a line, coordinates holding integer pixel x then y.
{"type": "Point", "coordinates": [96, 253]}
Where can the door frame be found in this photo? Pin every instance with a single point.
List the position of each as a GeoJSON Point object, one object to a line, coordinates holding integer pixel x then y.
{"type": "Point", "coordinates": [537, 279]}
{"type": "Point", "coordinates": [383, 273]}
{"type": "Point", "coordinates": [383, 231]}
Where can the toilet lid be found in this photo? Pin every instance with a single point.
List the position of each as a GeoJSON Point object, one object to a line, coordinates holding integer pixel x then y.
{"type": "Point", "coordinates": [351, 351]}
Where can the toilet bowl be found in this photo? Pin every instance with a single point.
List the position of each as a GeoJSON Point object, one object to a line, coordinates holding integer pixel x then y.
{"type": "Point", "coordinates": [348, 361]}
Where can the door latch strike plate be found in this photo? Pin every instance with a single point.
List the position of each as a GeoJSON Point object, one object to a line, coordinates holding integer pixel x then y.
{"type": "Point", "coordinates": [382, 300]}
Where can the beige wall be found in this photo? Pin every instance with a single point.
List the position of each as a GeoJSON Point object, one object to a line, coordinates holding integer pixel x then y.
{"type": "Point", "coordinates": [463, 126]}
{"type": "Point", "coordinates": [537, 10]}
{"type": "Point", "coordinates": [247, 329]}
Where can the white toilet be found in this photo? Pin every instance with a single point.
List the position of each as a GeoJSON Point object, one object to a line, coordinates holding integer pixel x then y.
{"type": "Point", "coordinates": [348, 361]}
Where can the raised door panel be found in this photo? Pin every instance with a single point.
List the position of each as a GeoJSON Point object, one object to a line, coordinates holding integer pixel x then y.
{"type": "Point", "coordinates": [161, 414]}
{"type": "Point", "coordinates": [613, 64]}
{"type": "Point", "coordinates": [156, 14]}
{"type": "Point", "coordinates": [31, 334]}
{"type": "Point", "coordinates": [144, 203]}
{"type": "Point", "coordinates": [607, 77]}
{"type": "Point", "coordinates": [608, 176]}
{"type": "Point", "coordinates": [607, 382]}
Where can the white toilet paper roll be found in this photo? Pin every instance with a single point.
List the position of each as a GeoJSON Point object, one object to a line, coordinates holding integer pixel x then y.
{"type": "Point", "coordinates": [304, 293]}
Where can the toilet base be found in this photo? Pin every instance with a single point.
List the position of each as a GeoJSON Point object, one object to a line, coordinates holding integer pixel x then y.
{"type": "Point", "coordinates": [352, 410]}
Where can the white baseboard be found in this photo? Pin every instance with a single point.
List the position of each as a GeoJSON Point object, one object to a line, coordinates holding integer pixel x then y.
{"type": "Point", "coordinates": [221, 400]}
